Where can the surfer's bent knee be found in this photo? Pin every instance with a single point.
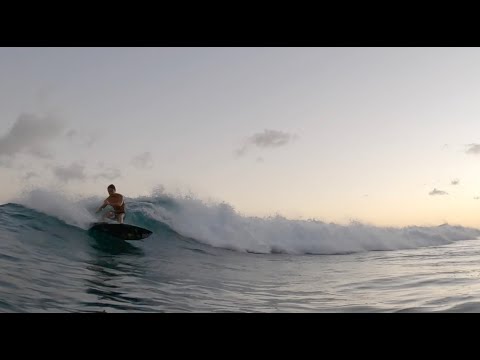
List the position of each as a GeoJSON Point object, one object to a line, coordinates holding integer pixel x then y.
{"type": "Point", "coordinates": [120, 217]}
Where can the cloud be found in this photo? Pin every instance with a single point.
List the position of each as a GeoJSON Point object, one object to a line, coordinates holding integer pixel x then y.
{"type": "Point", "coordinates": [83, 139]}
{"type": "Point", "coordinates": [109, 174]}
{"type": "Point", "coordinates": [41, 152]}
{"type": "Point", "coordinates": [76, 171]}
{"type": "Point", "coordinates": [71, 133]}
{"type": "Point", "coordinates": [240, 152]}
{"type": "Point", "coordinates": [437, 192]}
{"type": "Point", "coordinates": [5, 161]}
{"type": "Point", "coordinates": [29, 175]}
{"type": "Point", "coordinates": [473, 149]}
{"type": "Point", "coordinates": [271, 138]}
{"type": "Point", "coordinates": [91, 139]}
{"type": "Point", "coordinates": [266, 139]}
{"type": "Point", "coordinates": [260, 159]}
{"type": "Point", "coordinates": [143, 161]}
{"type": "Point", "coordinates": [73, 172]}
{"type": "Point", "coordinates": [476, 198]}
{"type": "Point", "coordinates": [455, 182]}
{"type": "Point", "coordinates": [30, 134]}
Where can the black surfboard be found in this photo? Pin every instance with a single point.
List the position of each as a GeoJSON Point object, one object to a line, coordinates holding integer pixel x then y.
{"type": "Point", "coordinates": [122, 231]}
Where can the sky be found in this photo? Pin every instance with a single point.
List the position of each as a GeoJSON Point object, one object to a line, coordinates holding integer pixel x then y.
{"type": "Point", "coordinates": [384, 136]}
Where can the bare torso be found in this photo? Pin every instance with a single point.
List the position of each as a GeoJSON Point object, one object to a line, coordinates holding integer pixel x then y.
{"type": "Point", "coordinates": [116, 201]}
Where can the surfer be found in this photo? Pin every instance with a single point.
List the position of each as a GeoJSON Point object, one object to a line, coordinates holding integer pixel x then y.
{"type": "Point", "coordinates": [117, 202]}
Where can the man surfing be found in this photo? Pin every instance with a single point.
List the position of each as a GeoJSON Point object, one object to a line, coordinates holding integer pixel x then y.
{"type": "Point", "coordinates": [117, 202]}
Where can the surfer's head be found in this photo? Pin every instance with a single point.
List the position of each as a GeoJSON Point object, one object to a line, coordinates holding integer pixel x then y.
{"type": "Point", "coordinates": [111, 189]}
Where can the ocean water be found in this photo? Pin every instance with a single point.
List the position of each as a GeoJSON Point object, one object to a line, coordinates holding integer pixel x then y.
{"type": "Point", "coordinates": [205, 257]}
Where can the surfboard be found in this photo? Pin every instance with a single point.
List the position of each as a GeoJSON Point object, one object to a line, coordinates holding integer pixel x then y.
{"type": "Point", "coordinates": [122, 231]}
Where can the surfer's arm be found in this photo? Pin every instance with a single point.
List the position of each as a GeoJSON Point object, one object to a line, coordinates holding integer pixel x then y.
{"type": "Point", "coordinates": [105, 203]}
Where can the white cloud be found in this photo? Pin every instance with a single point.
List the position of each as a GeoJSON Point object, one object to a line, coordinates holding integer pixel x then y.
{"type": "Point", "coordinates": [437, 192]}
{"type": "Point", "coordinates": [29, 175]}
{"type": "Point", "coordinates": [266, 139]}
{"type": "Point", "coordinates": [109, 174]}
{"type": "Point", "coordinates": [240, 152]}
{"type": "Point", "coordinates": [71, 133]}
{"type": "Point", "coordinates": [85, 140]}
{"type": "Point", "coordinates": [271, 138]}
{"type": "Point", "coordinates": [143, 161]}
{"type": "Point", "coordinates": [5, 161]}
{"type": "Point", "coordinates": [473, 149]}
{"type": "Point", "coordinates": [31, 134]}
{"type": "Point", "coordinates": [73, 172]}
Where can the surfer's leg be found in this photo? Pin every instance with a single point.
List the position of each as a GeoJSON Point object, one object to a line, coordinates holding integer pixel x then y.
{"type": "Point", "coordinates": [109, 215]}
{"type": "Point", "coordinates": [120, 218]}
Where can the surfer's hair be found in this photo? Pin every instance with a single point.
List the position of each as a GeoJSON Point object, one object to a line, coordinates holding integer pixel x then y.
{"type": "Point", "coordinates": [111, 186]}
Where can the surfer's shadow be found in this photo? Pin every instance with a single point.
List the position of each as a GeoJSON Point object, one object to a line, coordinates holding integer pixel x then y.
{"type": "Point", "coordinates": [115, 248]}
{"type": "Point", "coordinates": [112, 245]}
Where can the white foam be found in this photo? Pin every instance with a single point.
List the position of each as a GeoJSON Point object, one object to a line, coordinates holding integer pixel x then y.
{"type": "Point", "coordinates": [220, 225]}
{"type": "Point", "coordinates": [73, 211]}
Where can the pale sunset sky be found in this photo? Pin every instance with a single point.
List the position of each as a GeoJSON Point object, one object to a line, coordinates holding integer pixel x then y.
{"type": "Point", "coordinates": [385, 136]}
